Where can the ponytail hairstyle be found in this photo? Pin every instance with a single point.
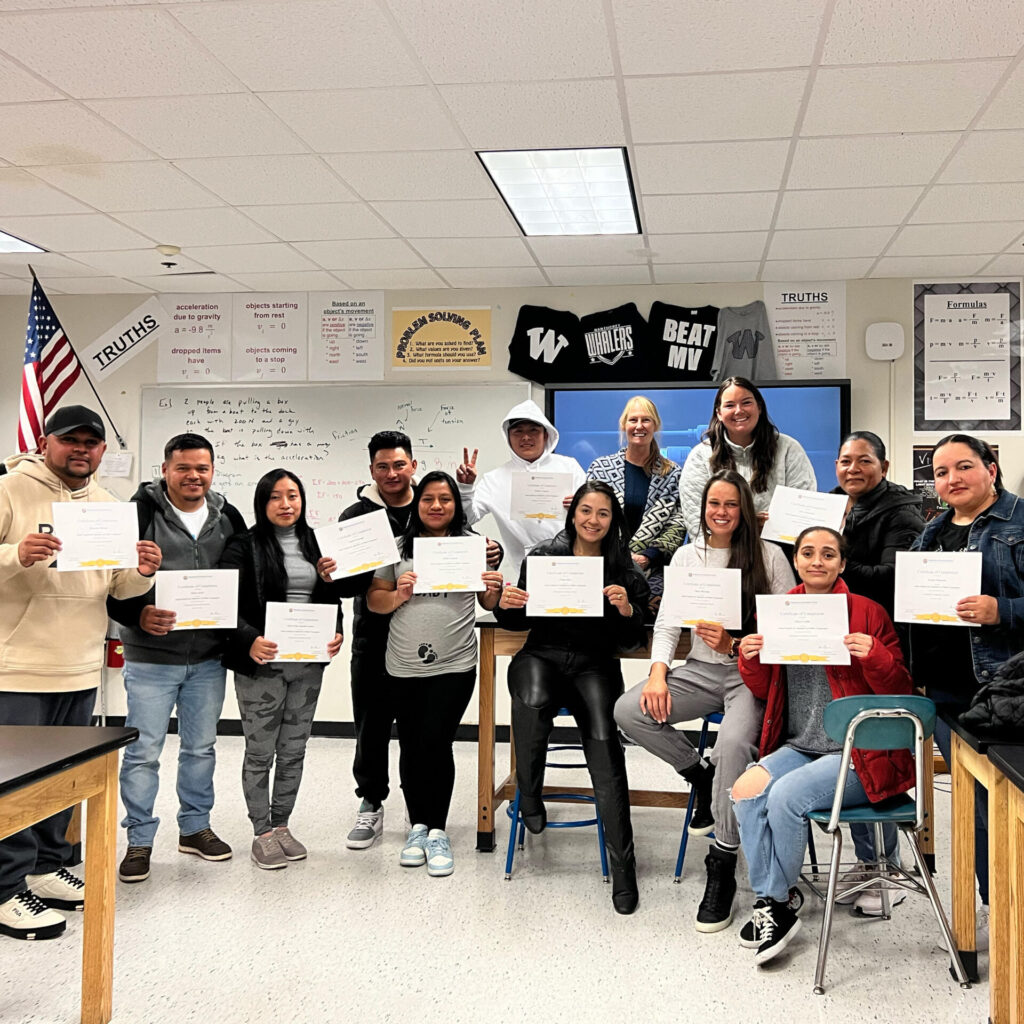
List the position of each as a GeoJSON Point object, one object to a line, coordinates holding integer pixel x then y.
{"type": "Point", "coordinates": [841, 542]}
{"type": "Point", "coordinates": [764, 442]}
{"type": "Point", "coordinates": [264, 533]}
{"type": "Point", "coordinates": [980, 448]}
{"type": "Point", "coordinates": [458, 526]}
{"type": "Point", "coordinates": [655, 463]}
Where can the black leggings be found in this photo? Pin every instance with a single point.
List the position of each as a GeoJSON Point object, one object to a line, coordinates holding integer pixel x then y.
{"type": "Point", "coordinates": [429, 709]}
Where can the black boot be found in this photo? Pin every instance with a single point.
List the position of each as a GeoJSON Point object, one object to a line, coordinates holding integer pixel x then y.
{"type": "Point", "coordinates": [700, 777]}
{"type": "Point", "coordinates": [531, 728]}
{"type": "Point", "coordinates": [534, 813]}
{"type": "Point", "coordinates": [715, 910]}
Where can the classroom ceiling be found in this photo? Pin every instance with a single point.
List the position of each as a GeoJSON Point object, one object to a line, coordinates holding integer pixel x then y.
{"type": "Point", "coordinates": [323, 144]}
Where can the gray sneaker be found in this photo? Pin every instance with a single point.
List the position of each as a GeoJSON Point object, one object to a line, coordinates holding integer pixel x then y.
{"type": "Point", "coordinates": [267, 853]}
{"type": "Point", "coordinates": [290, 846]}
{"type": "Point", "coordinates": [369, 827]}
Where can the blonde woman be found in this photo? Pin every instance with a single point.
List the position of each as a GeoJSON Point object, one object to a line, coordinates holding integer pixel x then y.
{"type": "Point", "coordinates": [646, 485]}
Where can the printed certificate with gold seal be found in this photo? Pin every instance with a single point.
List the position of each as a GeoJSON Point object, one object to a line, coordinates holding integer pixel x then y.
{"type": "Point", "coordinates": [301, 631]}
{"type": "Point", "coordinates": [696, 594]}
{"type": "Point", "coordinates": [539, 496]}
{"type": "Point", "coordinates": [565, 586]}
{"type": "Point", "coordinates": [358, 545]}
{"type": "Point", "coordinates": [449, 564]}
{"type": "Point", "coordinates": [930, 583]}
{"type": "Point", "coordinates": [803, 629]}
{"type": "Point", "coordinates": [96, 535]}
{"type": "Point", "coordinates": [200, 598]}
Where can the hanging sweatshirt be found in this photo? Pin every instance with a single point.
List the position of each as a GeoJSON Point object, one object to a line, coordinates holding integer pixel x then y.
{"type": "Point", "coordinates": [744, 344]}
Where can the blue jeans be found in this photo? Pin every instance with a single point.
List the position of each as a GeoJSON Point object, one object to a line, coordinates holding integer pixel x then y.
{"type": "Point", "coordinates": [773, 824]}
{"type": "Point", "coordinates": [864, 842]}
{"type": "Point", "coordinates": [153, 691]}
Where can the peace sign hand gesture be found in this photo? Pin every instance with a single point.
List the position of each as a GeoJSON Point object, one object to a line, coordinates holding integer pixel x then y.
{"type": "Point", "coordinates": [466, 473]}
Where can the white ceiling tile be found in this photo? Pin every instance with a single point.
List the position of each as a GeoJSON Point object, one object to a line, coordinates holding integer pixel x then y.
{"type": "Point", "coordinates": [639, 274]}
{"type": "Point", "coordinates": [356, 120]}
{"type": "Point", "coordinates": [828, 243]}
{"type": "Point", "coordinates": [987, 156]}
{"type": "Point", "coordinates": [665, 36]}
{"type": "Point", "coordinates": [169, 125]}
{"type": "Point", "coordinates": [719, 247]}
{"type": "Point", "coordinates": [24, 194]}
{"type": "Point", "coordinates": [318, 221]}
{"type": "Point", "coordinates": [874, 160]}
{"type": "Point", "coordinates": [906, 98]}
{"type": "Point", "coordinates": [879, 31]}
{"type": "Point", "coordinates": [1007, 108]}
{"type": "Point", "coordinates": [474, 252]}
{"type": "Point", "coordinates": [46, 264]}
{"type": "Point", "coordinates": [150, 185]}
{"type": "Point", "coordinates": [815, 270]}
{"type": "Point", "coordinates": [426, 174]}
{"type": "Point", "coordinates": [526, 40]}
{"type": "Point", "coordinates": [15, 286]}
{"type": "Point", "coordinates": [964, 203]}
{"type": "Point", "coordinates": [439, 217]}
{"type": "Point", "coordinates": [369, 253]}
{"type": "Point", "coordinates": [271, 180]}
{"type": "Point", "coordinates": [845, 207]}
{"type": "Point", "coordinates": [219, 225]}
{"type": "Point", "coordinates": [272, 257]}
{"type": "Point", "coordinates": [694, 273]}
{"type": "Point", "coordinates": [294, 281]}
{"type": "Point", "coordinates": [922, 267]}
{"type": "Point", "coordinates": [736, 211]}
{"type": "Point", "coordinates": [83, 232]}
{"type": "Point", "coordinates": [587, 250]}
{"type": "Point", "coordinates": [114, 52]}
{"type": "Point", "coordinates": [19, 86]}
{"type": "Point", "coordinates": [494, 277]}
{"type": "Point", "coordinates": [305, 44]}
{"type": "Point", "coordinates": [711, 167]}
{"type": "Point", "coordinates": [947, 239]}
{"type": "Point", "coordinates": [206, 283]}
{"type": "Point", "coordinates": [95, 286]}
{"type": "Point", "coordinates": [759, 105]}
{"type": "Point", "coordinates": [1011, 264]}
{"type": "Point", "coordinates": [397, 279]}
{"type": "Point", "coordinates": [62, 133]}
{"type": "Point", "coordinates": [537, 115]}
{"type": "Point", "coordinates": [135, 262]}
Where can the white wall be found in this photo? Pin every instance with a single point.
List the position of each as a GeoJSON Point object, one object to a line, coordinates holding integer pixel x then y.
{"type": "Point", "coordinates": [86, 317]}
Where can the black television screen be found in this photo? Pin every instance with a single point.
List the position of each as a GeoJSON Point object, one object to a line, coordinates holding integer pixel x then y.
{"type": "Point", "coordinates": [816, 413]}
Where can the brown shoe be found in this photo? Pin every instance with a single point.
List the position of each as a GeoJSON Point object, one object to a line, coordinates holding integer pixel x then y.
{"type": "Point", "coordinates": [205, 844]}
{"type": "Point", "coordinates": [135, 866]}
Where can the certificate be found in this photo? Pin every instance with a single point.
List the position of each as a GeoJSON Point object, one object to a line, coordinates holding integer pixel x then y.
{"type": "Point", "coordinates": [792, 510]}
{"type": "Point", "coordinates": [565, 585]}
{"type": "Point", "coordinates": [96, 535]}
{"type": "Point", "coordinates": [448, 564]}
{"type": "Point", "coordinates": [301, 631]}
{"type": "Point", "coordinates": [539, 496]}
{"type": "Point", "coordinates": [929, 584]}
{"type": "Point", "coordinates": [803, 629]}
{"type": "Point", "coordinates": [201, 598]}
{"type": "Point", "coordinates": [358, 545]}
{"type": "Point", "coordinates": [696, 594]}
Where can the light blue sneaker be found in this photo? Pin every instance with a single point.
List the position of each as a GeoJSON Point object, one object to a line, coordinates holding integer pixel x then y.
{"type": "Point", "coordinates": [414, 853]}
{"type": "Point", "coordinates": [440, 861]}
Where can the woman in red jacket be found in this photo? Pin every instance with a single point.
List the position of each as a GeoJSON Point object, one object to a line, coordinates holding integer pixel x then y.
{"type": "Point", "coordinates": [799, 763]}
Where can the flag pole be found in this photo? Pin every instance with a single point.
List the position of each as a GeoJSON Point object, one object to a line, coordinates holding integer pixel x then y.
{"type": "Point", "coordinates": [117, 433]}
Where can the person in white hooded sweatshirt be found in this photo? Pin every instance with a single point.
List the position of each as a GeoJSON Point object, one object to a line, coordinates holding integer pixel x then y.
{"type": "Point", "coordinates": [532, 440]}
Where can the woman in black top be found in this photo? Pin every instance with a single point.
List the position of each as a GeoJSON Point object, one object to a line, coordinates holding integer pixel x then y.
{"type": "Point", "coordinates": [571, 663]}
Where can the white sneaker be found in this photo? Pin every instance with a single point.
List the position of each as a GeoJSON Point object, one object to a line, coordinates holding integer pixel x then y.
{"type": "Point", "coordinates": [26, 916]}
{"type": "Point", "coordinates": [869, 901]}
{"type": "Point", "coordinates": [58, 889]}
{"type": "Point", "coordinates": [369, 827]}
{"type": "Point", "coordinates": [980, 933]}
{"type": "Point", "coordinates": [857, 874]}
{"type": "Point", "coordinates": [414, 853]}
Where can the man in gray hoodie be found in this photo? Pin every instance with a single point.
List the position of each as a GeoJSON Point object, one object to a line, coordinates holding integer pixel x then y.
{"type": "Point", "coordinates": [167, 667]}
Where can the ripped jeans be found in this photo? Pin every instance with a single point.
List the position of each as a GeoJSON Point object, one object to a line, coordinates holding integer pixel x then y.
{"type": "Point", "coordinates": [773, 826]}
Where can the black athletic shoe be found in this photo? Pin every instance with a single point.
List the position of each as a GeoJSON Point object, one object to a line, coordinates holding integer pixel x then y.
{"type": "Point", "coordinates": [778, 926]}
{"type": "Point", "coordinates": [715, 910]}
{"type": "Point", "coordinates": [702, 821]}
{"type": "Point", "coordinates": [750, 937]}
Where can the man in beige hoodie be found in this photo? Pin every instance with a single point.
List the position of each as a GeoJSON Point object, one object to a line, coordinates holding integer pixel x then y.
{"type": "Point", "coordinates": [52, 626]}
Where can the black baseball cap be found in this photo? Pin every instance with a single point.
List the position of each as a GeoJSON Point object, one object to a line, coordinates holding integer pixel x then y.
{"type": "Point", "coordinates": [75, 417]}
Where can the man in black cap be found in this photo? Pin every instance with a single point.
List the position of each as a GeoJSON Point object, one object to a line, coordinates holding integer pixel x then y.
{"type": "Point", "coordinates": [45, 680]}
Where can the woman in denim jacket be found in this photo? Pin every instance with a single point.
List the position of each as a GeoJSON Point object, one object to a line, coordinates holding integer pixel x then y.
{"type": "Point", "coordinates": [952, 664]}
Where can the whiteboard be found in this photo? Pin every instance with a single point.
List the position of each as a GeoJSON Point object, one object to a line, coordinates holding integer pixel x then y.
{"type": "Point", "coordinates": [320, 432]}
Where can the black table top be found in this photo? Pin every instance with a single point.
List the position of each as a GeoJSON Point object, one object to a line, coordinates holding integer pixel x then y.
{"type": "Point", "coordinates": [29, 753]}
{"type": "Point", "coordinates": [977, 742]}
{"type": "Point", "coordinates": [1009, 759]}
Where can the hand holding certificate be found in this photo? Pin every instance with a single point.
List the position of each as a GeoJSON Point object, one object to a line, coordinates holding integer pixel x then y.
{"type": "Point", "coordinates": [931, 584]}
{"type": "Point", "coordinates": [454, 564]}
{"type": "Point", "coordinates": [358, 545]}
{"type": "Point", "coordinates": [695, 594]}
{"type": "Point", "coordinates": [807, 629]}
{"type": "Point", "coordinates": [539, 496]}
{"type": "Point", "coordinates": [301, 632]}
{"type": "Point", "coordinates": [199, 598]}
{"type": "Point", "coordinates": [792, 511]}
{"type": "Point", "coordinates": [565, 586]}
{"type": "Point", "coordinates": [96, 535]}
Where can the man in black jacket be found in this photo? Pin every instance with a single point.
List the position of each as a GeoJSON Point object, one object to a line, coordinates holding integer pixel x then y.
{"type": "Point", "coordinates": [167, 667]}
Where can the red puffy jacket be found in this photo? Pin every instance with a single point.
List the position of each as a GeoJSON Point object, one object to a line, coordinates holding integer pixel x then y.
{"type": "Point", "coordinates": [882, 773]}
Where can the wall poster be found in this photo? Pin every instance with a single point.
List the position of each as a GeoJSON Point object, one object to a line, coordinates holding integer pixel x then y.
{"type": "Point", "coordinates": [441, 339]}
{"type": "Point", "coordinates": [809, 328]}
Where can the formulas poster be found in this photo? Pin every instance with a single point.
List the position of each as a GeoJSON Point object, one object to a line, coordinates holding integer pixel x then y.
{"type": "Point", "coordinates": [967, 356]}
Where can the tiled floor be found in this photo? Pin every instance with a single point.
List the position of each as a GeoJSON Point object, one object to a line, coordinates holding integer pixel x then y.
{"type": "Point", "coordinates": [352, 937]}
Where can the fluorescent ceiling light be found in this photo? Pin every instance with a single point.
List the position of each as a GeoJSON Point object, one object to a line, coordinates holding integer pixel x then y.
{"type": "Point", "coordinates": [566, 191]}
{"type": "Point", "coordinates": [8, 243]}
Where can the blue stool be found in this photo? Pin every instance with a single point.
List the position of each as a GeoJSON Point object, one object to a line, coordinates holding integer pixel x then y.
{"type": "Point", "coordinates": [715, 717]}
{"type": "Point", "coordinates": [517, 820]}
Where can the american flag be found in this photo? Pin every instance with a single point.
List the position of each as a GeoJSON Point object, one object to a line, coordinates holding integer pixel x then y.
{"type": "Point", "coordinates": [51, 367]}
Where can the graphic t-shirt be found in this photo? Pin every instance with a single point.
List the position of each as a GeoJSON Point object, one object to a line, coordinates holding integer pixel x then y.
{"type": "Point", "coordinates": [682, 342]}
{"type": "Point", "coordinates": [547, 346]}
{"type": "Point", "coordinates": [744, 347]}
{"type": "Point", "coordinates": [615, 342]}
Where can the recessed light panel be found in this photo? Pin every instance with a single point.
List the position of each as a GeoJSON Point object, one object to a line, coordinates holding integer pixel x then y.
{"type": "Point", "coordinates": [8, 243]}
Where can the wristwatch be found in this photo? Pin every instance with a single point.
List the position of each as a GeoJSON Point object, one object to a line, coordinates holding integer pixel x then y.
{"type": "Point", "coordinates": [734, 647]}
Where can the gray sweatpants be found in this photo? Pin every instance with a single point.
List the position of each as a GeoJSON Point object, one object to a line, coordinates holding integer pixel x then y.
{"type": "Point", "coordinates": [699, 688]}
{"type": "Point", "coordinates": [277, 717]}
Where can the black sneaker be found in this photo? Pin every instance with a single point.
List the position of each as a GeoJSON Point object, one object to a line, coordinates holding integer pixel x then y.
{"type": "Point", "coordinates": [135, 866]}
{"type": "Point", "coordinates": [206, 844]}
{"type": "Point", "coordinates": [778, 926]}
{"type": "Point", "coordinates": [750, 936]}
{"type": "Point", "coordinates": [715, 910]}
{"type": "Point", "coordinates": [700, 778]}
